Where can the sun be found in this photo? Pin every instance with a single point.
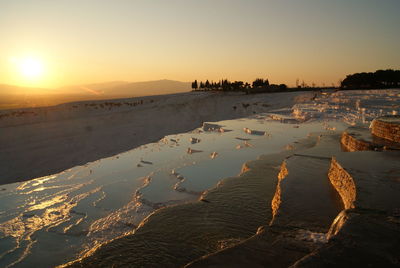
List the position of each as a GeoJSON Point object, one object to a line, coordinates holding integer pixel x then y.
{"type": "Point", "coordinates": [30, 68]}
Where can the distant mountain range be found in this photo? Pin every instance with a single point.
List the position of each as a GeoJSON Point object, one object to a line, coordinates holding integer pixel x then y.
{"type": "Point", "coordinates": [18, 97]}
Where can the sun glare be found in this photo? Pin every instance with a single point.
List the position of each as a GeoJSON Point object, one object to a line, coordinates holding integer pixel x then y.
{"type": "Point", "coordinates": [30, 68]}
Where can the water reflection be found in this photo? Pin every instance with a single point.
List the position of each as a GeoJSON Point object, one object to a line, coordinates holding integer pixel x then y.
{"type": "Point", "coordinates": [88, 205]}
{"type": "Point", "coordinates": [72, 212]}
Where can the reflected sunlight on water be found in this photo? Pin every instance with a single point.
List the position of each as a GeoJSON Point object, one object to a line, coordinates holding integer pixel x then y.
{"type": "Point", "coordinates": [72, 212]}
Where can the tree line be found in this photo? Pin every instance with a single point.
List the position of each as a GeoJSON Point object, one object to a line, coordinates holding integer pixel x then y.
{"type": "Point", "coordinates": [365, 80]}
{"type": "Point", "coordinates": [259, 85]}
{"type": "Point", "coordinates": [378, 79]}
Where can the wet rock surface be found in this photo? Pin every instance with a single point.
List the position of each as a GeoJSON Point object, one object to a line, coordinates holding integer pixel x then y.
{"type": "Point", "coordinates": [367, 180]}
{"type": "Point", "coordinates": [365, 234]}
{"type": "Point", "coordinates": [272, 247]}
{"type": "Point", "coordinates": [307, 199]}
{"type": "Point", "coordinates": [175, 236]}
{"type": "Point", "coordinates": [231, 224]}
{"type": "Point", "coordinates": [367, 238]}
{"type": "Point", "coordinates": [307, 227]}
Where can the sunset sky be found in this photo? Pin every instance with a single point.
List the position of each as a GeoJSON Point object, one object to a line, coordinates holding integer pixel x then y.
{"type": "Point", "coordinates": [64, 42]}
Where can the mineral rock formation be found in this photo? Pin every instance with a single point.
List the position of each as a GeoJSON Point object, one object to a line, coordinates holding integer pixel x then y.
{"type": "Point", "coordinates": [387, 127]}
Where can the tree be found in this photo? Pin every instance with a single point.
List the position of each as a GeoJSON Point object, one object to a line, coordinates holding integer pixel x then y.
{"type": "Point", "coordinates": [207, 85]}
{"type": "Point", "coordinates": [259, 85]}
{"type": "Point", "coordinates": [259, 82]}
{"type": "Point", "coordinates": [378, 79]}
{"type": "Point", "coordinates": [237, 85]}
{"type": "Point", "coordinates": [226, 85]}
{"type": "Point", "coordinates": [194, 85]}
{"type": "Point", "coordinates": [282, 87]}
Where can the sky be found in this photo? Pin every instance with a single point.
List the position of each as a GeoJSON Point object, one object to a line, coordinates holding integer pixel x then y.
{"type": "Point", "coordinates": [90, 41]}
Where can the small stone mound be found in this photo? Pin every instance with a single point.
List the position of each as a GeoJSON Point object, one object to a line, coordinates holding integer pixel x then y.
{"type": "Point", "coordinates": [360, 139]}
{"type": "Point", "coordinates": [353, 141]}
{"type": "Point", "coordinates": [387, 127]}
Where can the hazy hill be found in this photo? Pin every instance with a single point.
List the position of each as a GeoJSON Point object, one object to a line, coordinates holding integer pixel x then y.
{"type": "Point", "coordinates": [128, 89]}
{"type": "Point", "coordinates": [148, 88]}
{"type": "Point", "coordinates": [90, 89]}
{"type": "Point", "coordinates": [18, 97]}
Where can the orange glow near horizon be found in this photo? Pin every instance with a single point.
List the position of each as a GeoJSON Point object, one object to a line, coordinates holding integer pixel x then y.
{"type": "Point", "coordinates": [63, 43]}
{"type": "Point", "coordinates": [28, 71]}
